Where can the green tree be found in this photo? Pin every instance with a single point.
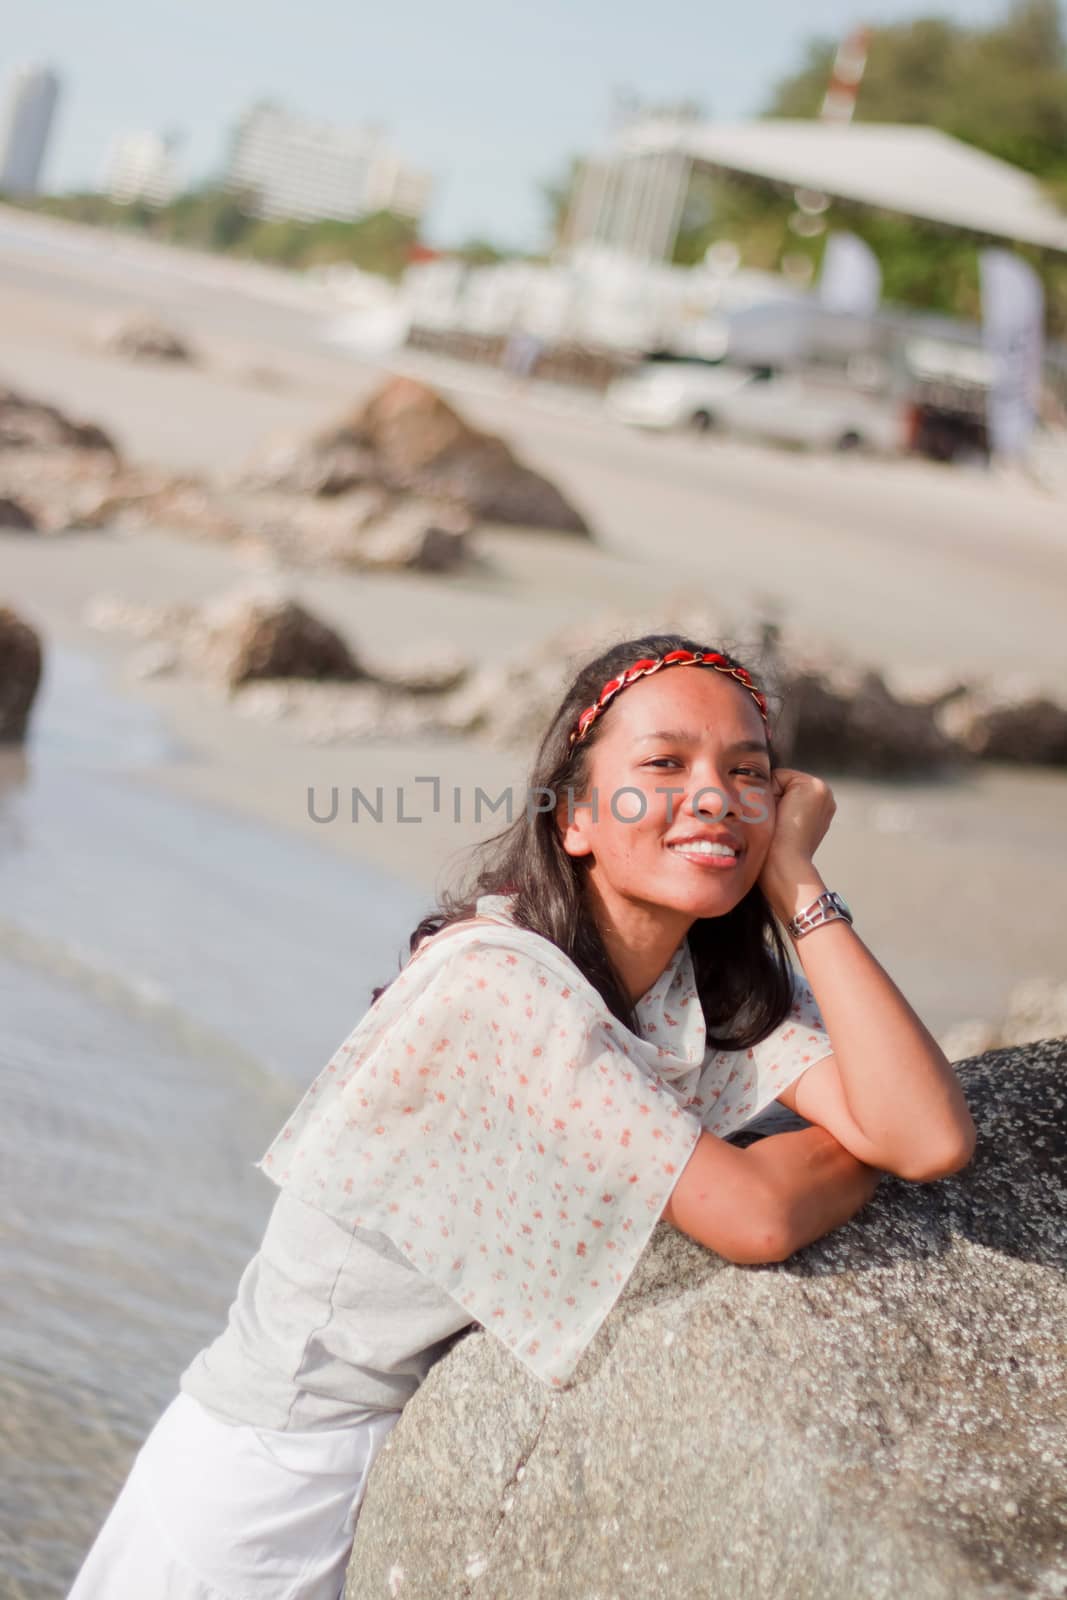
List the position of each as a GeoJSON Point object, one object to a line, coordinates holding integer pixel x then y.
{"type": "Point", "coordinates": [480, 253]}
{"type": "Point", "coordinates": [216, 218]}
{"type": "Point", "coordinates": [1002, 89]}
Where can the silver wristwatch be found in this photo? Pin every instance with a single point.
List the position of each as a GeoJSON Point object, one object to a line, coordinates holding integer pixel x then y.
{"type": "Point", "coordinates": [827, 908]}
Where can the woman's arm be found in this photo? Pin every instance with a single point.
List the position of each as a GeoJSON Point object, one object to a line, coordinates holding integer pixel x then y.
{"type": "Point", "coordinates": [897, 1082]}
{"type": "Point", "coordinates": [819, 1184]}
{"type": "Point", "coordinates": [763, 1202]}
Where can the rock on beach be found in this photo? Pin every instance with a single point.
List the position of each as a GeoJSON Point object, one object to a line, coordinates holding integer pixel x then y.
{"type": "Point", "coordinates": [15, 516]}
{"type": "Point", "coordinates": [142, 337]}
{"type": "Point", "coordinates": [27, 424]}
{"type": "Point", "coordinates": [406, 438]}
{"type": "Point", "coordinates": [263, 635]}
{"type": "Point", "coordinates": [1008, 721]}
{"type": "Point", "coordinates": [21, 659]}
{"type": "Point", "coordinates": [279, 661]}
{"type": "Point", "coordinates": [883, 1415]}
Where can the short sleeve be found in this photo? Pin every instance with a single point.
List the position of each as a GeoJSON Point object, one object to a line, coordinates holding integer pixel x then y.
{"type": "Point", "coordinates": [735, 1086]}
{"type": "Point", "coordinates": [504, 1139]}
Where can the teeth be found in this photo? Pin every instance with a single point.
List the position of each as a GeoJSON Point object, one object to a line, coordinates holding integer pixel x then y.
{"type": "Point", "coordinates": [704, 848]}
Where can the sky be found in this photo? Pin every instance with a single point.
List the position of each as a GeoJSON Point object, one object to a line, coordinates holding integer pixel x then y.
{"type": "Point", "coordinates": [493, 100]}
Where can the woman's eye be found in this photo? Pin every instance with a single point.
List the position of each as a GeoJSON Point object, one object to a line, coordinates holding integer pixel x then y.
{"type": "Point", "coordinates": [748, 772]}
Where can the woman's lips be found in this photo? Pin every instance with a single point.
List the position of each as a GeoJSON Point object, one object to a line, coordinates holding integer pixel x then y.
{"type": "Point", "coordinates": [701, 858]}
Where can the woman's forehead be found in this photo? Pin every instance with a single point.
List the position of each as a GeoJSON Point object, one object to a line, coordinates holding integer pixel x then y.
{"type": "Point", "coordinates": [697, 700]}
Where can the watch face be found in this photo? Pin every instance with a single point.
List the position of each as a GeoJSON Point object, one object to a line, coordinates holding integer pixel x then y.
{"type": "Point", "coordinates": [844, 905]}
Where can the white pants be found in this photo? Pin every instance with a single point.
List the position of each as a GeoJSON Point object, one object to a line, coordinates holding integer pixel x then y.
{"type": "Point", "coordinates": [212, 1511]}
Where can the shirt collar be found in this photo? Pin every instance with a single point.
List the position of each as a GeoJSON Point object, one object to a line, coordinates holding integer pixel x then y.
{"type": "Point", "coordinates": [669, 1016]}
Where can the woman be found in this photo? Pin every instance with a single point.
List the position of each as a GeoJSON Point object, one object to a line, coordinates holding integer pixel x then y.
{"type": "Point", "coordinates": [563, 1061]}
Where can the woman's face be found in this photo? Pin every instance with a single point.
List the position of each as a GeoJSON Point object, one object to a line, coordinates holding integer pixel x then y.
{"type": "Point", "coordinates": [685, 729]}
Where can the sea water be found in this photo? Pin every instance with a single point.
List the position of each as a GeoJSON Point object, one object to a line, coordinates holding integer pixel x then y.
{"type": "Point", "coordinates": [171, 978]}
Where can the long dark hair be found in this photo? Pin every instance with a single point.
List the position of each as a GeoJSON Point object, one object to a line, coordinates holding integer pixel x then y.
{"type": "Point", "coordinates": [740, 961]}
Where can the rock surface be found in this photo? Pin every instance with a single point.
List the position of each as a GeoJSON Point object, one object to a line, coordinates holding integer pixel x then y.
{"type": "Point", "coordinates": [282, 663]}
{"type": "Point", "coordinates": [364, 530]}
{"type": "Point", "coordinates": [253, 632]}
{"type": "Point", "coordinates": [264, 635]}
{"type": "Point", "coordinates": [144, 338]}
{"type": "Point", "coordinates": [20, 674]}
{"type": "Point", "coordinates": [15, 517]}
{"type": "Point", "coordinates": [409, 440]}
{"type": "Point", "coordinates": [845, 718]}
{"type": "Point", "coordinates": [325, 466]}
{"type": "Point", "coordinates": [831, 714]}
{"type": "Point", "coordinates": [882, 1416]}
{"type": "Point", "coordinates": [59, 471]}
{"type": "Point", "coordinates": [1008, 721]}
{"type": "Point", "coordinates": [33, 424]}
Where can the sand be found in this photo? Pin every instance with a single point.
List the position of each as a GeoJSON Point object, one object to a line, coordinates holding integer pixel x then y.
{"type": "Point", "coordinates": [957, 889]}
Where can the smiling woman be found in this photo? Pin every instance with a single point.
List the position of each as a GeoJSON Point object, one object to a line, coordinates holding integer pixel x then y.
{"type": "Point", "coordinates": [666, 826]}
{"type": "Point", "coordinates": [562, 1062]}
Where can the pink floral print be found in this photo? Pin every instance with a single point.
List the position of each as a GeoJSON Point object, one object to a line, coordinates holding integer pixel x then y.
{"type": "Point", "coordinates": [512, 1138]}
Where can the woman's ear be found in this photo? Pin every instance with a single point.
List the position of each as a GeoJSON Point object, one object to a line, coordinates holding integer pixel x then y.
{"type": "Point", "coordinates": [571, 832]}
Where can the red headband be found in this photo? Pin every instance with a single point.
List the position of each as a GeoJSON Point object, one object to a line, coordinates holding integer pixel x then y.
{"type": "Point", "coordinates": [642, 669]}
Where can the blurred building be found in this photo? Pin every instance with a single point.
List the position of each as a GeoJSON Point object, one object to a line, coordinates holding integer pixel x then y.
{"type": "Point", "coordinates": [142, 166]}
{"type": "Point", "coordinates": [26, 118]}
{"type": "Point", "coordinates": [291, 167]}
{"type": "Point", "coordinates": [597, 298]}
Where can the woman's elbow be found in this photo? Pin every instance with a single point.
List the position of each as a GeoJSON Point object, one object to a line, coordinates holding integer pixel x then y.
{"type": "Point", "coordinates": [953, 1158]}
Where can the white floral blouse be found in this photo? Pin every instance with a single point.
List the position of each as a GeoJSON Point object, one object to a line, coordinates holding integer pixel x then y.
{"type": "Point", "coordinates": [512, 1137]}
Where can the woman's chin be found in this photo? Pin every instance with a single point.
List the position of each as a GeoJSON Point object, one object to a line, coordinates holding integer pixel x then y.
{"type": "Point", "coordinates": [704, 900]}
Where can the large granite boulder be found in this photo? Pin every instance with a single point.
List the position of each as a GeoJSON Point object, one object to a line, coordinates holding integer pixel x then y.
{"type": "Point", "coordinates": [407, 439]}
{"type": "Point", "coordinates": [883, 1415]}
{"type": "Point", "coordinates": [422, 444]}
{"type": "Point", "coordinates": [20, 675]}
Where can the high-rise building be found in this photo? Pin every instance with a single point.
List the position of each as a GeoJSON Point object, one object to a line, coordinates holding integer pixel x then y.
{"type": "Point", "coordinates": [142, 166]}
{"type": "Point", "coordinates": [291, 167]}
{"type": "Point", "coordinates": [25, 123]}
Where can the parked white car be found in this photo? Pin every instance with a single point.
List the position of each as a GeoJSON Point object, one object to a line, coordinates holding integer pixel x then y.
{"type": "Point", "coordinates": [796, 408]}
{"type": "Point", "coordinates": [684, 392]}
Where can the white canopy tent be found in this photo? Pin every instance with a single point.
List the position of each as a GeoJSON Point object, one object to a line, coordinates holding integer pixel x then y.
{"type": "Point", "coordinates": [631, 197]}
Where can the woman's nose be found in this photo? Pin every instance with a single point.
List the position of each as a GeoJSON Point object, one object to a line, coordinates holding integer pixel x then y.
{"type": "Point", "coordinates": [710, 799]}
